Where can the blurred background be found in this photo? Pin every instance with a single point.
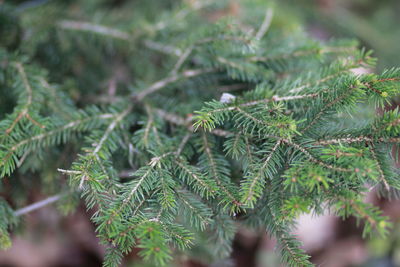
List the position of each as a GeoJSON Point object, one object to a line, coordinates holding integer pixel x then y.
{"type": "Point", "coordinates": [329, 240]}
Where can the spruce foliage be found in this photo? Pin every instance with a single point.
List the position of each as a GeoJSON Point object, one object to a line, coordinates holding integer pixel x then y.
{"type": "Point", "coordinates": [91, 92]}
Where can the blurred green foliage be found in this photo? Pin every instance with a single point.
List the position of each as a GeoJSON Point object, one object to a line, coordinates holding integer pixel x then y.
{"type": "Point", "coordinates": [375, 23]}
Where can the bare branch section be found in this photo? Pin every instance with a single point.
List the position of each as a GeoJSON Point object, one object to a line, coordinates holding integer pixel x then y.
{"type": "Point", "coordinates": [38, 205]}
{"type": "Point", "coordinates": [350, 140]}
{"type": "Point", "coordinates": [166, 49]}
{"type": "Point", "coordinates": [95, 28]}
{"type": "Point", "coordinates": [266, 23]}
{"type": "Point", "coordinates": [168, 80]}
{"type": "Point", "coordinates": [116, 34]}
{"type": "Point", "coordinates": [278, 99]}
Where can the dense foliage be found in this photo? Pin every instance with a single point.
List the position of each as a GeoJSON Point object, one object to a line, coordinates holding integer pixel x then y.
{"type": "Point", "coordinates": [178, 121]}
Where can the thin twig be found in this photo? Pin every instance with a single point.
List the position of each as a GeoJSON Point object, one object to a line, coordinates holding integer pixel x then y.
{"type": "Point", "coordinates": [168, 80]}
{"type": "Point", "coordinates": [266, 23]}
{"type": "Point", "coordinates": [38, 205]}
{"type": "Point", "coordinates": [95, 28]}
{"type": "Point", "coordinates": [349, 140]}
{"type": "Point", "coordinates": [166, 49]}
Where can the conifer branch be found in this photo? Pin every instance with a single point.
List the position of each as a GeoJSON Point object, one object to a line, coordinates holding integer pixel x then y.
{"type": "Point", "coordinates": [175, 119]}
{"type": "Point", "coordinates": [181, 182]}
{"type": "Point", "coordinates": [381, 173]}
{"type": "Point", "coordinates": [24, 112]}
{"type": "Point", "coordinates": [359, 139]}
{"type": "Point", "coordinates": [49, 134]}
{"type": "Point", "coordinates": [215, 173]}
{"type": "Point", "coordinates": [130, 195]}
{"type": "Point", "coordinates": [111, 128]}
{"type": "Point", "coordinates": [275, 98]}
{"type": "Point", "coordinates": [313, 159]}
{"type": "Point", "coordinates": [195, 177]}
{"type": "Point", "coordinates": [308, 52]}
{"type": "Point", "coordinates": [322, 80]}
{"type": "Point", "coordinates": [332, 103]}
{"type": "Point", "coordinates": [249, 192]}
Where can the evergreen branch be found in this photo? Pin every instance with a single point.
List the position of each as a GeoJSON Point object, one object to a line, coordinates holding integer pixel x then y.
{"type": "Point", "coordinates": [251, 117]}
{"type": "Point", "coordinates": [296, 82]}
{"type": "Point", "coordinates": [187, 52]}
{"type": "Point", "coordinates": [51, 133]}
{"type": "Point", "coordinates": [215, 173]}
{"type": "Point", "coordinates": [290, 248]}
{"type": "Point", "coordinates": [327, 107]}
{"type": "Point", "coordinates": [298, 258]}
{"type": "Point", "coordinates": [342, 70]}
{"type": "Point", "coordinates": [381, 173]}
{"type": "Point", "coordinates": [275, 98]}
{"type": "Point", "coordinates": [248, 192]}
{"type": "Point", "coordinates": [130, 195]}
{"type": "Point", "coordinates": [207, 189]}
{"type": "Point", "coordinates": [302, 53]}
{"type": "Point", "coordinates": [359, 139]}
{"type": "Point", "coordinates": [177, 120]}
{"type": "Point", "coordinates": [360, 211]}
{"type": "Point", "coordinates": [202, 220]}
{"type": "Point", "coordinates": [313, 159]}
{"type": "Point", "coordinates": [111, 128]}
{"type": "Point", "coordinates": [24, 112]}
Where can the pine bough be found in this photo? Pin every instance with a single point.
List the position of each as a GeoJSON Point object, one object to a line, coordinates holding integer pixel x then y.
{"type": "Point", "coordinates": [159, 169]}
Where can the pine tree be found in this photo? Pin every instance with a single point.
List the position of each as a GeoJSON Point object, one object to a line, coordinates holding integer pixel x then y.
{"type": "Point", "coordinates": [124, 99]}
